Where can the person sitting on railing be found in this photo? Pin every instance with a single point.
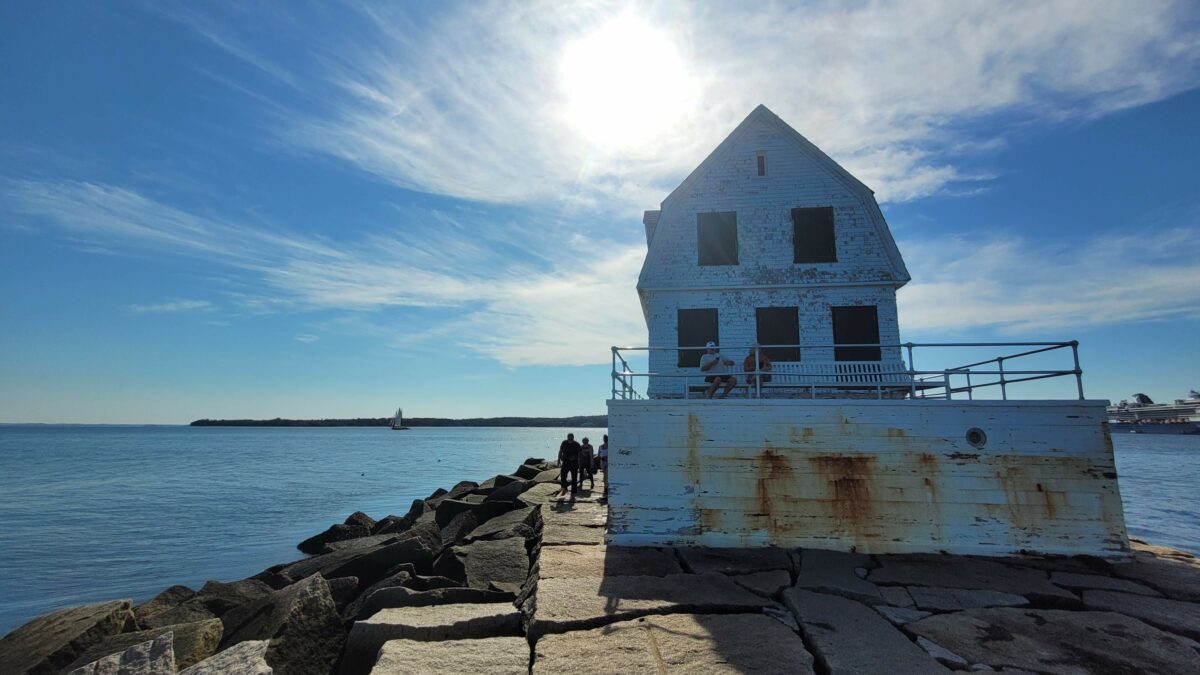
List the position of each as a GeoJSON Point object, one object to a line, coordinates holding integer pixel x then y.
{"type": "Point", "coordinates": [717, 368]}
{"type": "Point", "coordinates": [764, 366]}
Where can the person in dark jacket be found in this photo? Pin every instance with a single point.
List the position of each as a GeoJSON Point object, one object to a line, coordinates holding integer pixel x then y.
{"type": "Point", "coordinates": [568, 460]}
{"type": "Point", "coordinates": [587, 464]}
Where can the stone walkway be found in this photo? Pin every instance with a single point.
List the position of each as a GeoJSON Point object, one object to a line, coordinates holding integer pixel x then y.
{"type": "Point", "coordinates": [592, 608]}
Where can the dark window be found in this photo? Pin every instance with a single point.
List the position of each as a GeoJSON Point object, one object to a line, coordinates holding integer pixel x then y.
{"type": "Point", "coordinates": [696, 328]}
{"type": "Point", "coordinates": [813, 235]}
{"type": "Point", "coordinates": [717, 235]}
{"type": "Point", "coordinates": [855, 326]}
{"type": "Point", "coordinates": [762, 163]}
{"type": "Point", "coordinates": [779, 326]}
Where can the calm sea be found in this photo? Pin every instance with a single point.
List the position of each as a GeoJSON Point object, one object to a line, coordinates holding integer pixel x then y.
{"type": "Point", "coordinates": [91, 513]}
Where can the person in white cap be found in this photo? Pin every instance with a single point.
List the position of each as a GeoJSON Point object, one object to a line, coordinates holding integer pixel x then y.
{"type": "Point", "coordinates": [717, 368]}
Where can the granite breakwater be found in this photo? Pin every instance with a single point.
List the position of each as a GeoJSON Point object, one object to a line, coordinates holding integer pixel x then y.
{"type": "Point", "coordinates": [510, 576]}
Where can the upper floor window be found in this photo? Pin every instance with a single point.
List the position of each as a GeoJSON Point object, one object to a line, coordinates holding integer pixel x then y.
{"type": "Point", "coordinates": [762, 162]}
{"type": "Point", "coordinates": [716, 234]}
{"type": "Point", "coordinates": [813, 235]}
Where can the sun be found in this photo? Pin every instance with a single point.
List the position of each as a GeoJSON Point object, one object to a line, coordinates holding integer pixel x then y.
{"type": "Point", "coordinates": [624, 83]}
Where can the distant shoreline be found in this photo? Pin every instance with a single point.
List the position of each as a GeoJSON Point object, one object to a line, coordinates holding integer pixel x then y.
{"type": "Point", "coordinates": [586, 421]}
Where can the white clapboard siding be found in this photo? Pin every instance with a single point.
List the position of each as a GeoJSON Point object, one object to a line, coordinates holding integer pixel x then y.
{"type": "Point", "coordinates": [870, 476]}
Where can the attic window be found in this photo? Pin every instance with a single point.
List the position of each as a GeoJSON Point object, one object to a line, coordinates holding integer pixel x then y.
{"type": "Point", "coordinates": [813, 235]}
{"type": "Point", "coordinates": [716, 236]}
{"type": "Point", "coordinates": [762, 162]}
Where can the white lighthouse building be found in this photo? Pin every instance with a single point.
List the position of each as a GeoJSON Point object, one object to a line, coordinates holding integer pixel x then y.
{"type": "Point", "coordinates": [769, 241]}
{"type": "Point", "coordinates": [851, 445]}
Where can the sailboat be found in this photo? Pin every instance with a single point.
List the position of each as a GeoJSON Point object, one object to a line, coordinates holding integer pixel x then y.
{"type": "Point", "coordinates": [398, 421]}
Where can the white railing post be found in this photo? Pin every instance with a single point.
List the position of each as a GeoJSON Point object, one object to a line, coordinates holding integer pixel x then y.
{"type": "Point", "coordinates": [614, 372]}
{"type": "Point", "coordinates": [1078, 372]}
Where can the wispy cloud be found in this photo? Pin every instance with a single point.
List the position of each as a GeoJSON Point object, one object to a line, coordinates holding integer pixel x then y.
{"type": "Point", "coordinates": [564, 303]}
{"type": "Point", "coordinates": [307, 338]}
{"type": "Point", "coordinates": [569, 309]}
{"type": "Point", "coordinates": [172, 307]}
{"type": "Point", "coordinates": [473, 102]}
{"type": "Point", "coordinates": [1023, 287]}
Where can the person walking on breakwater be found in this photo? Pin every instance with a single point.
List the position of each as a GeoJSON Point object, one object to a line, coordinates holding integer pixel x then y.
{"type": "Point", "coordinates": [602, 462]}
{"type": "Point", "coordinates": [717, 368]}
{"type": "Point", "coordinates": [568, 459]}
{"type": "Point", "coordinates": [587, 464]}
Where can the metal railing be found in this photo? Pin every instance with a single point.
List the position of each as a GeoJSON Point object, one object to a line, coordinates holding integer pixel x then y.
{"type": "Point", "coordinates": [822, 377]}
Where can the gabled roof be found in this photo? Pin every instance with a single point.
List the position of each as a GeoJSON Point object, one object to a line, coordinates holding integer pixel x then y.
{"type": "Point", "coordinates": [865, 194]}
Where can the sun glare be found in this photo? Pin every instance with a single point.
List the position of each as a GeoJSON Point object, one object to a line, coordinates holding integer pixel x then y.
{"type": "Point", "coordinates": [624, 83]}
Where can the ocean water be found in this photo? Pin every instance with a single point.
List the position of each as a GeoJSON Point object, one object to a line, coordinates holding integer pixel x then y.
{"type": "Point", "coordinates": [93, 513]}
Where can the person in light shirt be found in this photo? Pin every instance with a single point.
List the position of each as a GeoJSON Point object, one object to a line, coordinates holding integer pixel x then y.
{"type": "Point", "coordinates": [716, 368]}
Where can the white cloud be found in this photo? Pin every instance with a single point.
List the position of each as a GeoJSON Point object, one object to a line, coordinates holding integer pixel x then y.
{"type": "Point", "coordinates": [549, 313]}
{"type": "Point", "coordinates": [1023, 288]}
{"type": "Point", "coordinates": [307, 338]}
{"type": "Point", "coordinates": [172, 306]}
{"type": "Point", "coordinates": [473, 102]}
{"type": "Point", "coordinates": [575, 296]}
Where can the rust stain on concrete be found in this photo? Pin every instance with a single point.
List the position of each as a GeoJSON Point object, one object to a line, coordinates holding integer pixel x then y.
{"type": "Point", "coordinates": [801, 436]}
{"type": "Point", "coordinates": [693, 448]}
{"type": "Point", "coordinates": [772, 488]}
{"type": "Point", "coordinates": [849, 498]}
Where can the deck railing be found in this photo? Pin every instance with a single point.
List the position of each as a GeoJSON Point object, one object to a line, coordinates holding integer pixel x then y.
{"type": "Point", "coordinates": [889, 377]}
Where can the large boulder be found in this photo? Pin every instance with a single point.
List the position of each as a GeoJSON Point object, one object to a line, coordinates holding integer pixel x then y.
{"type": "Point", "coordinates": [358, 524]}
{"type": "Point", "coordinates": [396, 577]}
{"type": "Point", "coordinates": [1058, 641]}
{"type": "Point", "coordinates": [153, 657]}
{"type": "Point", "coordinates": [514, 523]}
{"type": "Point", "coordinates": [214, 599]}
{"type": "Point", "coordinates": [301, 623]}
{"type": "Point", "coordinates": [166, 600]}
{"type": "Point", "coordinates": [191, 642]}
{"type": "Point", "coordinates": [375, 564]}
{"type": "Point", "coordinates": [437, 623]}
{"type": "Point", "coordinates": [579, 603]}
{"type": "Point", "coordinates": [698, 560]}
{"type": "Point", "coordinates": [401, 523]}
{"type": "Point", "coordinates": [683, 643]}
{"type": "Point", "coordinates": [483, 563]}
{"type": "Point", "coordinates": [245, 658]}
{"type": "Point", "coordinates": [398, 596]}
{"type": "Point", "coordinates": [527, 471]}
{"type": "Point", "coordinates": [1175, 573]}
{"type": "Point", "coordinates": [850, 637]}
{"type": "Point", "coordinates": [463, 524]}
{"type": "Point", "coordinates": [494, 656]}
{"type": "Point", "coordinates": [508, 492]}
{"type": "Point", "coordinates": [361, 543]}
{"type": "Point", "coordinates": [49, 643]}
{"type": "Point", "coordinates": [976, 573]}
{"type": "Point", "coordinates": [458, 491]}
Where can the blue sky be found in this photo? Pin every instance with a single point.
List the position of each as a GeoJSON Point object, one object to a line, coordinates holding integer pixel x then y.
{"type": "Point", "coordinates": [331, 209]}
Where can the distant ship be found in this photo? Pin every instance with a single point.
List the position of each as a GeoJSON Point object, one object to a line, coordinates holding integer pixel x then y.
{"type": "Point", "coordinates": [1144, 416]}
{"type": "Point", "coordinates": [398, 421]}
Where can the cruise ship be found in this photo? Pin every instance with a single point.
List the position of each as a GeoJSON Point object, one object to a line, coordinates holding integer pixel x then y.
{"type": "Point", "coordinates": [1144, 416]}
